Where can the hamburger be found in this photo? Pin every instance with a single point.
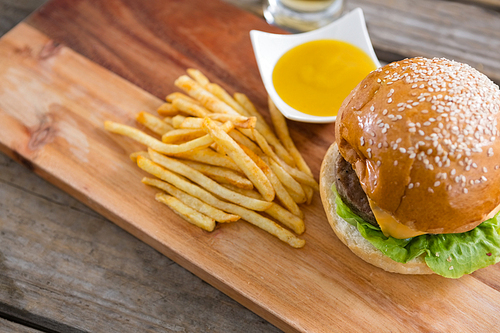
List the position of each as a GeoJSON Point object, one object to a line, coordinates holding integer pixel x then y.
{"type": "Point", "coordinates": [412, 182]}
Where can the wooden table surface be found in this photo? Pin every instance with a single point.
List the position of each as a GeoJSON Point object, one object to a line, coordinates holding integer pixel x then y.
{"type": "Point", "coordinates": [51, 243]}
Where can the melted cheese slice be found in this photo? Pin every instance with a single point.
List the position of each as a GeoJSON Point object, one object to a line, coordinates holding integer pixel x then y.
{"type": "Point", "coordinates": [390, 226]}
{"type": "Point", "coordinates": [493, 212]}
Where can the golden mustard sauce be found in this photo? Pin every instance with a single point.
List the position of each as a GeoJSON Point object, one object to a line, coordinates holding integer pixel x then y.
{"type": "Point", "coordinates": [316, 77]}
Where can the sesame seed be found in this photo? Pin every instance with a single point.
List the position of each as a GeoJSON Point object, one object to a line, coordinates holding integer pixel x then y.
{"type": "Point", "coordinates": [410, 186]}
{"type": "Point", "coordinates": [458, 122]}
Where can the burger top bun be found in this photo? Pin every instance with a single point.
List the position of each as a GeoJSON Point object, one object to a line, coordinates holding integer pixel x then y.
{"type": "Point", "coordinates": [422, 136]}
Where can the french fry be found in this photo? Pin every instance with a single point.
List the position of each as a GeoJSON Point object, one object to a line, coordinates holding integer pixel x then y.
{"type": "Point", "coordinates": [268, 225]}
{"type": "Point", "coordinates": [207, 183]}
{"type": "Point", "coordinates": [198, 76]}
{"type": "Point", "coordinates": [249, 168]}
{"type": "Point", "coordinates": [208, 156]}
{"type": "Point", "coordinates": [225, 163]}
{"type": "Point", "coordinates": [245, 141]}
{"type": "Point", "coordinates": [246, 104]}
{"type": "Point", "coordinates": [248, 215]}
{"type": "Point", "coordinates": [159, 146]}
{"type": "Point", "coordinates": [186, 212]}
{"type": "Point", "coordinates": [300, 176]}
{"type": "Point", "coordinates": [134, 156]}
{"type": "Point", "coordinates": [289, 182]}
{"type": "Point", "coordinates": [169, 121]}
{"type": "Point", "coordinates": [221, 175]}
{"type": "Point", "coordinates": [170, 98]}
{"type": "Point", "coordinates": [223, 95]}
{"type": "Point", "coordinates": [181, 135]}
{"type": "Point", "coordinates": [238, 121]}
{"type": "Point", "coordinates": [191, 123]}
{"type": "Point", "coordinates": [264, 128]}
{"type": "Point", "coordinates": [197, 123]}
{"type": "Point", "coordinates": [219, 149]}
{"type": "Point", "coordinates": [249, 193]}
{"type": "Point", "coordinates": [281, 192]}
{"type": "Point", "coordinates": [207, 99]}
{"type": "Point", "coordinates": [281, 128]}
{"type": "Point", "coordinates": [153, 123]}
{"type": "Point", "coordinates": [177, 120]}
{"type": "Point", "coordinates": [167, 110]}
{"type": "Point", "coordinates": [264, 145]}
{"type": "Point", "coordinates": [195, 203]}
{"type": "Point", "coordinates": [309, 193]}
{"type": "Point", "coordinates": [288, 219]}
{"type": "Point", "coordinates": [189, 107]}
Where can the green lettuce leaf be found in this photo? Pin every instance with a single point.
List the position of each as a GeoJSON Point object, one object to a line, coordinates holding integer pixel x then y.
{"type": "Point", "coordinates": [453, 255]}
{"type": "Point", "coordinates": [449, 255]}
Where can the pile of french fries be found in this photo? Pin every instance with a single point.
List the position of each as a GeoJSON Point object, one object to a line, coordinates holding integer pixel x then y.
{"type": "Point", "coordinates": [217, 160]}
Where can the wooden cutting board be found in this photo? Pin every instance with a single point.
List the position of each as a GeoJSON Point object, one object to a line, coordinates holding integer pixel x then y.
{"type": "Point", "coordinates": [76, 63]}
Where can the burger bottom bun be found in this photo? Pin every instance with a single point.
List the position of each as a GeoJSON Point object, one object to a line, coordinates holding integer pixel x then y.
{"type": "Point", "coordinates": [350, 235]}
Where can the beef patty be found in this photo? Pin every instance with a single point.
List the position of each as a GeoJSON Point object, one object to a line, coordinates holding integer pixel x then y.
{"type": "Point", "coordinates": [351, 192]}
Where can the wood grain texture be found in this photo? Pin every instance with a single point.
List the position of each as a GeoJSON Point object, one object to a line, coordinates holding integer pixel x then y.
{"type": "Point", "coordinates": [433, 28]}
{"type": "Point", "coordinates": [33, 210]}
{"type": "Point", "coordinates": [494, 4]}
{"type": "Point", "coordinates": [68, 269]}
{"type": "Point", "coordinates": [465, 32]}
{"type": "Point", "coordinates": [14, 11]}
{"type": "Point", "coordinates": [7, 326]}
{"type": "Point", "coordinates": [52, 104]}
